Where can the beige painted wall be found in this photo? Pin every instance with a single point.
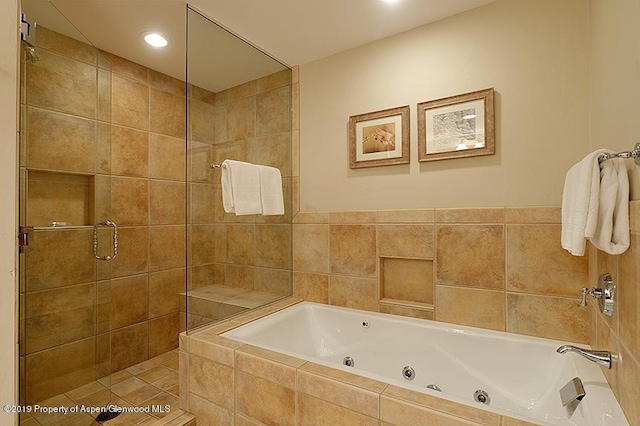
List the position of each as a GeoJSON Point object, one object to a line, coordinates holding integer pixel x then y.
{"type": "Point", "coordinates": [535, 55]}
{"type": "Point", "coordinates": [615, 78]}
{"type": "Point", "coordinates": [8, 163]}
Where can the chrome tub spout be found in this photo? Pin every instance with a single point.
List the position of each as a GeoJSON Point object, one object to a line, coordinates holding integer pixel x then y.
{"type": "Point", "coordinates": [602, 358]}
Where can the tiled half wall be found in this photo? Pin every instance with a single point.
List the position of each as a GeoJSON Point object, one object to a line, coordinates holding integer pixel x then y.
{"type": "Point", "coordinates": [494, 268]}
{"type": "Point", "coordinates": [224, 382]}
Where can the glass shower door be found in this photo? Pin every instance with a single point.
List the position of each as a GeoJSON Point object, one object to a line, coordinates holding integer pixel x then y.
{"type": "Point", "coordinates": [67, 243]}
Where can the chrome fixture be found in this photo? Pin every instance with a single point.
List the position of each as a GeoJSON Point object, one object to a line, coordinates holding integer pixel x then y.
{"type": "Point", "coordinates": [604, 292]}
{"type": "Point", "coordinates": [408, 373]}
{"type": "Point", "coordinates": [32, 56]}
{"type": "Point", "coordinates": [348, 361]}
{"type": "Point", "coordinates": [434, 387]}
{"type": "Point", "coordinates": [572, 391]}
{"type": "Point", "coordinates": [28, 38]}
{"type": "Point", "coordinates": [634, 153]}
{"type": "Point", "coordinates": [602, 358]}
{"type": "Point", "coordinates": [481, 396]}
{"type": "Point", "coordinates": [115, 240]}
{"type": "Point", "coordinates": [365, 324]}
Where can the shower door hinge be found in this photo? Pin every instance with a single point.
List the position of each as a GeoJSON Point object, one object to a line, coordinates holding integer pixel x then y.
{"type": "Point", "coordinates": [27, 30]}
{"type": "Point", "coordinates": [23, 240]}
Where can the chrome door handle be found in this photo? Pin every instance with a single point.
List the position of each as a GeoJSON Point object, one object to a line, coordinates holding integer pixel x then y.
{"type": "Point", "coordinates": [115, 240]}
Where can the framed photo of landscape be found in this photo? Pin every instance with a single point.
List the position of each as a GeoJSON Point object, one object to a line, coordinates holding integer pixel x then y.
{"type": "Point", "coordinates": [457, 126]}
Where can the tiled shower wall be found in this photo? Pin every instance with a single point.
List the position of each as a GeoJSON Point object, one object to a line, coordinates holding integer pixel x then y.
{"type": "Point", "coordinates": [494, 268]}
{"type": "Point", "coordinates": [251, 122]}
{"type": "Point", "coordinates": [619, 333]}
{"type": "Point", "coordinates": [104, 139]}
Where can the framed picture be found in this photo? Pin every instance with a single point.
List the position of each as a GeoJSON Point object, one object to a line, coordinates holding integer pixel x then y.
{"type": "Point", "coordinates": [458, 126]}
{"type": "Point", "coordinates": [379, 138]}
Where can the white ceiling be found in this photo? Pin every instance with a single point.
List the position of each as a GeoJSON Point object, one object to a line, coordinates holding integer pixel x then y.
{"type": "Point", "coordinates": [300, 31]}
{"type": "Point", "coordinates": [293, 31]}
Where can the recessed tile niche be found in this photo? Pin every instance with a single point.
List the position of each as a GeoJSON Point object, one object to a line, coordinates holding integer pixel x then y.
{"type": "Point", "coordinates": [406, 281]}
{"type": "Point", "coordinates": [59, 197]}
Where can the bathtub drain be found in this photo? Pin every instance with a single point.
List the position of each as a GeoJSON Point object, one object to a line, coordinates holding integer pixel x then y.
{"type": "Point", "coordinates": [348, 361]}
{"type": "Point", "coordinates": [408, 373]}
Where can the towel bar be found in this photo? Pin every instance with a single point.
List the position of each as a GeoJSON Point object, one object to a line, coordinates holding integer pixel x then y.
{"type": "Point", "coordinates": [216, 166]}
{"type": "Point", "coordinates": [635, 154]}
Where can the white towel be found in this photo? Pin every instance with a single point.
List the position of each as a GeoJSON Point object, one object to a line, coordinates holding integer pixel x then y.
{"type": "Point", "coordinates": [612, 233]}
{"type": "Point", "coordinates": [271, 191]}
{"type": "Point", "coordinates": [240, 188]}
{"type": "Point", "coordinates": [595, 207]}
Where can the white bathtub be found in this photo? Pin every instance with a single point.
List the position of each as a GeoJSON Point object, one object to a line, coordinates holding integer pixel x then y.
{"type": "Point", "coordinates": [522, 375]}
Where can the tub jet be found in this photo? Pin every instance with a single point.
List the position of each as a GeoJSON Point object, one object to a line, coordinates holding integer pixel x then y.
{"type": "Point", "coordinates": [482, 397]}
{"type": "Point", "coordinates": [408, 373]}
{"type": "Point", "coordinates": [348, 361]}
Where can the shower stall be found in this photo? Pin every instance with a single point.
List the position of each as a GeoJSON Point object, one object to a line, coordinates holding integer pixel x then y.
{"type": "Point", "coordinates": [124, 241]}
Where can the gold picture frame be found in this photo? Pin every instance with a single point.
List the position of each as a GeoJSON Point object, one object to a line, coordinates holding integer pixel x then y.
{"type": "Point", "coordinates": [457, 126]}
{"type": "Point", "coordinates": [379, 138]}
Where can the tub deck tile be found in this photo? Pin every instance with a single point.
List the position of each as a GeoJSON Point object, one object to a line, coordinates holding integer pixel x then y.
{"type": "Point", "coordinates": [439, 404]}
{"type": "Point", "coordinates": [278, 357]}
{"type": "Point", "coordinates": [345, 377]}
{"type": "Point", "coordinates": [215, 329]}
{"type": "Point", "coordinates": [214, 348]}
{"type": "Point", "coordinates": [265, 368]}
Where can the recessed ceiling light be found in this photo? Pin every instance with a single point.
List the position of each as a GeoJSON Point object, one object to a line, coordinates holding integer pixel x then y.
{"type": "Point", "coordinates": [155, 40]}
{"type": "Point", "coordinates": [390, 1]}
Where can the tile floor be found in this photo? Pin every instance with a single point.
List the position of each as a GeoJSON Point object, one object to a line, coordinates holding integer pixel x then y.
{"type": "Point", "coordinates": [152, 382]}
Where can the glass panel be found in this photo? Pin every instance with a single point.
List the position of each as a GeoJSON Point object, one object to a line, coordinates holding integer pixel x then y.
{"type": "Point", "coordinates": [239, 108]}
{"type": "Point", "coordinates": [65, 190]}
{"type": "Point", "coordinates": [139, 183]}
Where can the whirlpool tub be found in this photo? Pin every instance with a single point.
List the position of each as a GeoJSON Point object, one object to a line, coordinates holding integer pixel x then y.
{"type": "Point", "coordinates": [511, 375]}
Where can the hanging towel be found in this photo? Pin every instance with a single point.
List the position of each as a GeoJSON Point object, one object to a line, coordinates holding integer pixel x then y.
{"type": "Point", "coordinates": [612, 232]}
{"type": "Point", "coordinates": [240, 188]}
{"type": "Point", "coordinates": [590, 206]}
{"type": "Point", "coordinates": [271, 191]}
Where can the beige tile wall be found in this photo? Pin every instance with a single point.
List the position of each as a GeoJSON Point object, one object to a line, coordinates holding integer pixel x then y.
{"type": "Point", "coordinates": [495, 268]}
{"type": "Point", "coordinates": [619, 333]}
{"type": "Point", "coordinates": [251, 122]}
{"type": "Point", "coordinates": [104, 139]}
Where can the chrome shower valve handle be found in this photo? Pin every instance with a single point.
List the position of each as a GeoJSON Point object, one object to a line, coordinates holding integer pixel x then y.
{"type": "Point", "coordinates": [594, 292]}
{"type": "Point", "coordinates": [604, 292]}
